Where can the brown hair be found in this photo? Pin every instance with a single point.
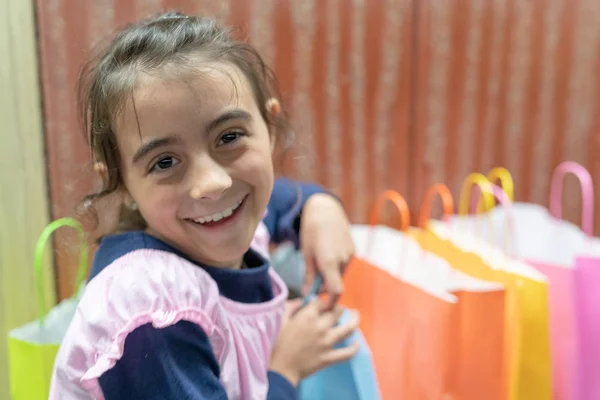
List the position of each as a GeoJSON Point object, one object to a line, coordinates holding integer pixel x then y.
{"type": "Point", "coordinates": [169, 40]}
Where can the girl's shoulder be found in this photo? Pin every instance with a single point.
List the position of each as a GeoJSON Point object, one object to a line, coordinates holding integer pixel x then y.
{"type": "Point", "coordinates": [144, 286]}
{"type": "Point", "coordinates": [135, 272]}
{"type": "Point", "coordinates": [148, 282]}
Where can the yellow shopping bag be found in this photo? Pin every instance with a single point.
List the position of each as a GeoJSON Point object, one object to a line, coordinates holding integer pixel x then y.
{"type": "Point", "coordinates": [526, 323]}
{"type": "Point", "coordinates": [32, 347]}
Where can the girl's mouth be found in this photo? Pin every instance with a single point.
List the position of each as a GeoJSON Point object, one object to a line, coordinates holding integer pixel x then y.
{"type": "Point", "coordinates": [220, 218]}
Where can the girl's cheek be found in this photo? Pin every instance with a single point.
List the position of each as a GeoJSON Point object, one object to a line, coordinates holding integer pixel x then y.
{"type": "Point", "coordinates": [161, 201]}
{"type": "Point", "coordinates": [254, 161]}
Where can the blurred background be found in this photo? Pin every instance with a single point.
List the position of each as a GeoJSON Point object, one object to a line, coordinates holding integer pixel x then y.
{"type": "Point", "coordinates": [383, 94]}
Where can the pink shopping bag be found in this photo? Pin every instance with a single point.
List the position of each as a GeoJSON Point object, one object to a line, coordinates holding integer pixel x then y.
{"type": "Point", "coordinates": [584, 282]}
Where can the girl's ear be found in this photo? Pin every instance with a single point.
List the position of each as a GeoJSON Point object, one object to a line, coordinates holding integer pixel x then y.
{"type": "Point", "coordinates": [273, 106]}
{"type": "Point", "coordinates": [128, 200]}
{"type": "Point", "coordinates": [274, 109]}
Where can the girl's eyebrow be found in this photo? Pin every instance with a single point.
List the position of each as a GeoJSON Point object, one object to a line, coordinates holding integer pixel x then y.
{"type": "Point", "coordinates": [153, 145]}
{"type": "Point", "coordinates": [227, 116]}
{"type": "Point", "coordinates": [169, 140]}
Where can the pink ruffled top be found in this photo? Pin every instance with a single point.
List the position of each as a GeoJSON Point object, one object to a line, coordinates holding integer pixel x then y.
{"type": "Point", "coordinates": [162, 288]}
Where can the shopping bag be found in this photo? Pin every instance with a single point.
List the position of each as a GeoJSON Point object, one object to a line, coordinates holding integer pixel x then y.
{"type": "Point", "coordinates": [354, 379]}
{"type": "Point", "coordinates": [587, 301]}
{"type": "Point", "coordinates": [406, 327]}
{"type": "Point", "coordinates": [577, 288]}
{"type": "Point", "coordinates": [526, 288]}
{"type": "Point", "coordinates": [480, 368]}
{"type": "Point", "coordinates": [417, 331]}
{"type": "Point", "coordinates": [32, 347]}
{"type": "Point", "coordinates": [351, 380]}
{"type": "Point", "coordinates": [570, 258]}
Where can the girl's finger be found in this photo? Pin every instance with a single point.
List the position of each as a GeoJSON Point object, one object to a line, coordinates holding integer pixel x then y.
{"type": "Point", "coordinates": [341, 354]}
{"type": "Point", "coordinates": [292, 307]}
{"type": "Point", "coordinates": [332, 275]}
{"type": "Point", "coordinates": [331, 318]}
{"type": "Point", "coordinates": [343, 331]}
{"type": "Point", "coordinates": [309, 273]}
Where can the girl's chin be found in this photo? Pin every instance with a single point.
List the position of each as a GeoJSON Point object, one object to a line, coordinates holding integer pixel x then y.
{"type": "Point", "coordinates": [223, 256]}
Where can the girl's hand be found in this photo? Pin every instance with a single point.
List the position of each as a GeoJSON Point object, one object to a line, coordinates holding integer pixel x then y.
{"type": "Point", "coordinates": [305, 343]}
{"type": "Point", "coordinates": [326, 243]}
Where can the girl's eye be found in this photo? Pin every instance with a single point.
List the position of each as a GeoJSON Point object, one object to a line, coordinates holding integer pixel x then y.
{"type": "Point", "coordinates": [230, 137]}
{"type": "Point", "coordinates": [164, 164]}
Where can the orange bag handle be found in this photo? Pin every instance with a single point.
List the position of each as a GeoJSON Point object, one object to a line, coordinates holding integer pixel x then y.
{"type": "Point", "coordinates": [447, 203]}
{"type": "Point", "coordinates": [447, 206]}
{"type": "Point", "coordinates": [400, 203]}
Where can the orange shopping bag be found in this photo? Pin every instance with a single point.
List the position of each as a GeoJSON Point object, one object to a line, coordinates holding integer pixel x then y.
{"type": "Point", "coordinates": [406, 327]}
{"type": "Point", "coordinates": [414, 329]}
{"type": "Point", "coordinates": [479, 368]}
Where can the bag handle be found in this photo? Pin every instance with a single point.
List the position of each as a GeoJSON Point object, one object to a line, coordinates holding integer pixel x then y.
{"type": "Point", "coordinates": [401, 206]}
{"type": "Point", "coordinates": [39, 259]}
{"type": "Point", "coordinates": [400, 203]}
{"type": "Point", "coordinates": [503, 176]}
{"type": "Point", "coordinates": [486, 192]}
{"type": "Point", "coordinates": [447, 203]}
{"type": "Point", "coordinates": [505, 201]}
{"type": "Point", "coordinates": [425, 214]}
{"type": "Point", "coordinates": [499, 195]}
{"type": "Point", "coordinates": [587, 193]}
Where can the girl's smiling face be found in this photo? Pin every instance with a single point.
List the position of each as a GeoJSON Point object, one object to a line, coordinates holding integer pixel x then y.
{"type": "Point", "coordinates": [196, 158]}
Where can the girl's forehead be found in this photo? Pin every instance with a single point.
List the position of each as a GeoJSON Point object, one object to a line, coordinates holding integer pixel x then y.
{"type": "Point", "coordinates": [190, 97]}
{"type": "Point", "coordinates": [218, 84]}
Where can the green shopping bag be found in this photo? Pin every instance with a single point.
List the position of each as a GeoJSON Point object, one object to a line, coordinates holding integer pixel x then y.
{"type": "Point", "coordinates": [32, 347]}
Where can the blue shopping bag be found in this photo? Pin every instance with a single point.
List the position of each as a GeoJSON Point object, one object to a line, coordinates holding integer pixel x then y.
{"type": "Point", "coordinates": [354, 379]}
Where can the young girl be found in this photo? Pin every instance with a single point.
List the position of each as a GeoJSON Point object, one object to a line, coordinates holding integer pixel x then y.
{"type": "Point", "coordinates": [183, 121]}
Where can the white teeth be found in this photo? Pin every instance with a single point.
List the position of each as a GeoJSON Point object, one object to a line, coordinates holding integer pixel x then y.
{"type": "Point", "coordinates": [220, 215]}
{"type": "Point", "coordinates": [217, 217]}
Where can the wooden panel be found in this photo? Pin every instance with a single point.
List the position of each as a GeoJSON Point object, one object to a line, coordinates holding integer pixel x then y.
{"type": "Point", "coordinates": [23, 191]}
{"type": "Point", "coordinates": [383, 93]}
{"type": "Point", "coordinates": [507, 83]}
{"type": "Point", "coordinates": [343, 67]}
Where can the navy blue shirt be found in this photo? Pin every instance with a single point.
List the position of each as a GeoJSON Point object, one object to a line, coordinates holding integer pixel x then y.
{"type": "Point", "coordinates": [177, 362]}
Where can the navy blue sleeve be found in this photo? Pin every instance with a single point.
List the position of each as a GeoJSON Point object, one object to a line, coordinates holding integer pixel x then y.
{"type": "Point", "coordinates": [173, 363]}
{"type": "Point", "coordinates": [286, 203]}
{"type": "Point", "coordinates": [280, 388]}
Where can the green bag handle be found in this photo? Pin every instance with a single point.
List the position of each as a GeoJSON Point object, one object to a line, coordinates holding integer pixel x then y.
{"type": "Point", "coordinates": [39, 259]}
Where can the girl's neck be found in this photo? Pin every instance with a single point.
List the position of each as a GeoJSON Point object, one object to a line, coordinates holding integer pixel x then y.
{"type": "Point", "coordinates": [236, 264]}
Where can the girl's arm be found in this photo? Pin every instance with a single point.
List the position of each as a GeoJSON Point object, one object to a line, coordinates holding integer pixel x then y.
{"type": "Point", "coordinates": [285, 207]}
{"type": "Point", "coordinates": [325, 236]}
{"type": "Point", "coordinates": [176, 362]}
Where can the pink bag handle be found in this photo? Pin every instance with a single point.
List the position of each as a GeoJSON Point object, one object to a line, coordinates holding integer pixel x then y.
{"type": "Point", "coordinates": [587, 193]}
{"type": "Point", "coordinates": [506, 202]}
{"type": "Point", "coordinates": [498, 193]}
